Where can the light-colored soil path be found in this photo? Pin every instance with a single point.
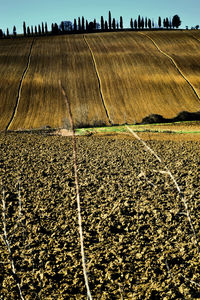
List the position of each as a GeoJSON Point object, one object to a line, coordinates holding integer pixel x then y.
{"type": "Point", "coordinates": [175, 64]}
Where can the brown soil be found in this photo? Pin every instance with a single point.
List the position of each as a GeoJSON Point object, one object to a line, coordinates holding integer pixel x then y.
{"type": "Point", "coordinates": [138, 241]}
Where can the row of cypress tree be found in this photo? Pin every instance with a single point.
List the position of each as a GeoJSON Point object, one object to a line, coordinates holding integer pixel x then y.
{"type": "Point", "coordinates": [83, 25]}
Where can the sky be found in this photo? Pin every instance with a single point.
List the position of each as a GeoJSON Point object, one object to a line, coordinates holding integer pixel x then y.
{"type": "Point", "coordinates": [14, 12]}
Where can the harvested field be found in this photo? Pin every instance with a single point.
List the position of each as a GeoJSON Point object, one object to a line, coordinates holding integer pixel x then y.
{"type": "Point", "coordinates": [13, 60]}
{"type": "Point", "coordinates": [138, 80]}
{"type": "Point", "coordinates": [179, 45]}
{"type": "Point", "coordinates": [138, 241]}
{"type": "Point", "coordinates": [68, 59]}
{"type": "Point", "coordinates": [120, 77]}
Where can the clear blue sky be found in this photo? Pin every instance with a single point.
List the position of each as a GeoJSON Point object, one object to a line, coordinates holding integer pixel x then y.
{"type": "Point", "coordinates": [33, 12]}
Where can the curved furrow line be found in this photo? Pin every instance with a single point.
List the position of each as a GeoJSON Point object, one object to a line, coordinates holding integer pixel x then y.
{"type": "Point", "coordinates": [99, 80]}
{"type": "Point", "coordinates": [177, 67]}
{"type": "Point", "coordinates": [20, 86]}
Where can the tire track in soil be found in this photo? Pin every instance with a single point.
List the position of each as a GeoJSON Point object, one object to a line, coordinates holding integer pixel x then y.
{"type": "Point", "coordinates": [20, 87]}
{"type": "Point", "coordinates": [177, 67]}
{"type": "Point", "coordinates": [99, 80]}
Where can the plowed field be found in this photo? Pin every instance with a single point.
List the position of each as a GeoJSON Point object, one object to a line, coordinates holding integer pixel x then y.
{"type": "Point", "coordinates": [137, 238]}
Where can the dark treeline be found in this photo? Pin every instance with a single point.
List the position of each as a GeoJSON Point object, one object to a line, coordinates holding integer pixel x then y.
{"type": "Point", "coordinates": [81, 25]}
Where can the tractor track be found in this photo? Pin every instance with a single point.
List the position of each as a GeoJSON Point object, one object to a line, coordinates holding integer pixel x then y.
{"type": "Point", "coordinates": [175, 64]}
{"type": "Point", "coordinates": [20, 87]}
{"type": "Point", "coordinates": [99, 80]}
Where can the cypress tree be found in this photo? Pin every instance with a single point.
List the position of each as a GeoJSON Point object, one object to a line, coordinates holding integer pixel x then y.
{"type": "Point", "coordinates": [46, 28]}
{"type": "Point", "coordinates": [106, 25]}
{"type": "Point", "coordinates": [1, 33]}
{"type": "Point", "coordinates": [75, 25]}
{"type": "Point", "coordinates": [135, 24]}
{"type": "Point", "coordinates": [146, 22]}
{"type": "Point", "coordinates": [159, 22]}
{"type": "Point", "coordinates": [87, 25]}
{"type": "Point", "coordinates": [102, 23]}
{"type": "Point", "coordinates": [152, 24]}
{"type": "Point", "coordinates": [131, 23]}
{"type": "Point", "coordinates": [36, 30]}
{"type": "Point", "coordinates": [109, 20]}
{"type": "Point", "coordinates": [24, 28]}
{"type": "Point", "coordinates": [142, 23]}
{"type": "Point", "coordinates": [62, 26]}
{"type": "Point", "coordinates": [83, 24]}
{"type": "Point", "coordinates": [167, 23]}
{"type": "Point", "coordinates": [28, 31]}
{"type": "Point", "coordinates": [114, 24]}
{"type": "Point", "coordinates": [121, 22]}
{"type": "Point", "coordinates": [7, 33]}
{"type": "Point", "coordinates": [14, 30]}
{"type": "Point", "coordinates": [39, 29]}
{"type": "Point", "coordinates": [42, 28]}
{"type": "Point", "coordinates": [149, 23]}
{"type": "Point", "coordinates": [95, 24]}
{"type": "Point", "coordinates": [139, 22]}
{"type": "Point", "coordinates": [79, 24]}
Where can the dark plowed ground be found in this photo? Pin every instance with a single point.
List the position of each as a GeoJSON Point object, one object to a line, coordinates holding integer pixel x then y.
{"type": "Point", "coordinates": [138, 241]}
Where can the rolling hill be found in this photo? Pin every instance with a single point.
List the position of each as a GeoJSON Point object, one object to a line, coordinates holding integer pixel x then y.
{"type": "Point", "coordinates": [109, 78]}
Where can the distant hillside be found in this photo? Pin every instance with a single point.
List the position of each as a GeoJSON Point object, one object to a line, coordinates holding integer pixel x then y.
{"type": "Point", "coordinates": [109, 78]}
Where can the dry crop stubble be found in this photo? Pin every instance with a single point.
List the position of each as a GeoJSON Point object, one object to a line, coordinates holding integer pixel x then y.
{"type": "Point", "coordinates": [13, 59]}
{"type": "Point", "coordinates": [185, 50]}
{"type": "Point", "coordinates": [137, 79]}
{"type": "Point", "coordinates": [41, 104]}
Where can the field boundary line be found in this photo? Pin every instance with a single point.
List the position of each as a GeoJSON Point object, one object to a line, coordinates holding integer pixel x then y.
{"type": "Point", "coordinates": [99, 79]}
{"type": "Point", "coordinates": [77, 192]}
{"type": "Point", "coordinates": [177, 67]}
{"type": "Point", "coordinates": [20, 86]}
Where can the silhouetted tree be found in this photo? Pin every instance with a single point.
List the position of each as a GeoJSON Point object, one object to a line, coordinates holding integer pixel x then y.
{"type": "Point", "coordinates": [167, 23]}
{"type": "Point", "coordinates": [32, 30]}
{"type": "Point", "coordinates": [109, 20]}
{"type": "Point", "coordinates": [135, 24]}
{"type": "Point", "coordinates": [113, 24]}
{"type": "Point", "coordinates": [146, 22]}
{"type": "Point", "coordinates": [14, 31]}
{"type": "Point", "coordinates": [142, 23]}
{"type": "Point", "coordinates": [28, 31]}
{"type": "Point", "coordinates": [106, 25]}
{"type": "Point", "coordinates": [170, 23]}
{"type": "Point", "coordinates": [95, 24]}
{"type": "Point", "coordinates": [46, 28]}
{"type": "Point", "coordinates": [152, 24]}
{"type": "Point", "coordinates": [149, 23]}
{"type": "Point", "coordinates": [62, 26]}
{"type": "Point", "coordinates": [1, 33]}
{"type": "Point", "coordinates": [24, 28]}
{"type": "Point", "coordinates": [139, 22]}
{"type": "Point", "coordinates": [79, 24]}
{"type": "Point", "coordinates": [87, 25]}
{"type": "Point", "coordinates": [102, 23]}
{"type": "Point", "coordinates": [42, 28]}
{"type": "Point", "coordinates": [159, 22]}
{"type": "Point", "coordinates": [83, 24]}
{"type": "Point", "coordinates": [39, 29]}
{"type": "Point", "coordinates": [7, 33]}
{"type": "Point", "coordinates": [36, 30]}
{"type": "Point", "coordinates": [131, 23]}
{"type": "Point", "coordinates": [176, 21]}
{"type": "Point", "coordinates": [121, 22]}
{"type": "Point", "coordinates": [117, 25]}
{"type": "Point", "coordinates": [75, 25]}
